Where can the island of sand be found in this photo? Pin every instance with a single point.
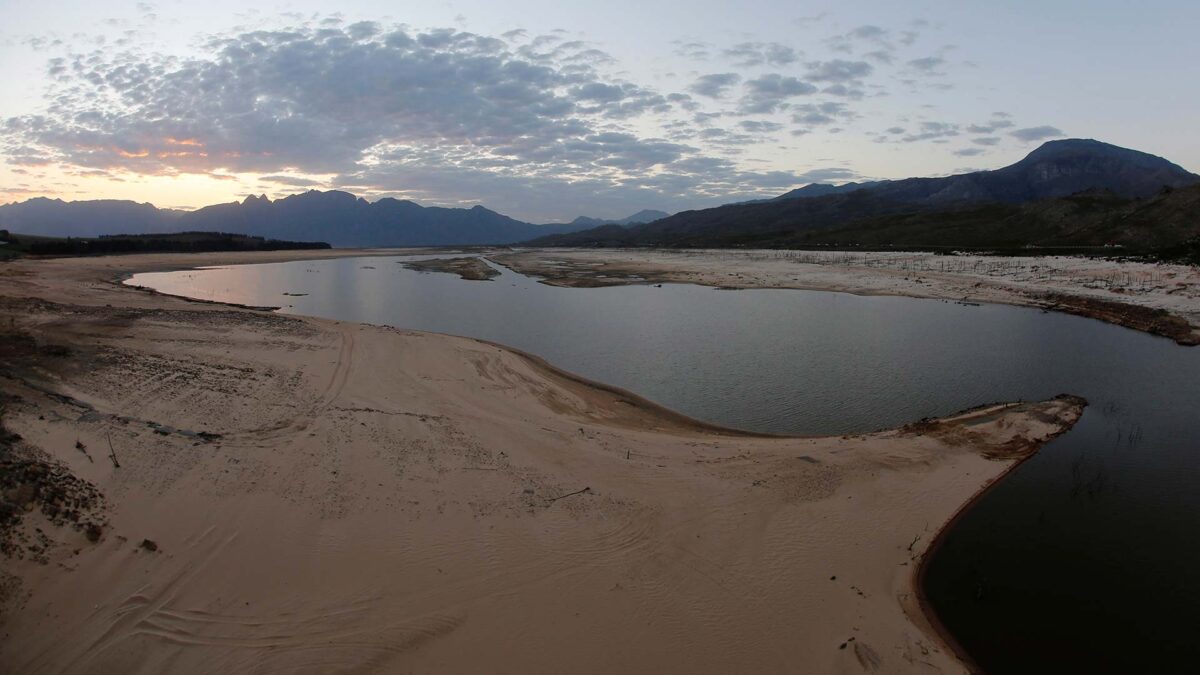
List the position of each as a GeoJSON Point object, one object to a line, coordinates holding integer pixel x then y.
{"type": "Point", "coordinates": [197, 488]}
{"type": "Point", "coordinates": [471, 268]}
{"type": "Point", "coordinates": [1157, 298]}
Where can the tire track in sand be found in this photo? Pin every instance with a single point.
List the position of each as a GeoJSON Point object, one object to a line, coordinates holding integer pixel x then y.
{"type": "Point", "coordinates": [331, 392]}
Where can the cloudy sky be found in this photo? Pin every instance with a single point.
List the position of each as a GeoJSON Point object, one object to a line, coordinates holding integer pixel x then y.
{"type": "Point", "coordinates": [545, 110]}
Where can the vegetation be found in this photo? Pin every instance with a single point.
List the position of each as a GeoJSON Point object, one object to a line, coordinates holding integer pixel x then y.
{"type": "Point", "coordinates": [182, 242]}
{"type": "Point", "coordinates": [1165, 226]}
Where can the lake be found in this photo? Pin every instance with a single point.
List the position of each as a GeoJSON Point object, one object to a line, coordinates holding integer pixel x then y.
{"type": "Point", "coordinates": [1086, 558]}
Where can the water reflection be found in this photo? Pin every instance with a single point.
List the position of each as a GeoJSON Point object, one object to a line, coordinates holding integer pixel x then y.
{"type": "Point", "coordinates": [1078, 561]}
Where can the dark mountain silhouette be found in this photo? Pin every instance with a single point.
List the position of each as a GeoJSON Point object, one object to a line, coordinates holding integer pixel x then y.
{"type": "Point", "coordinates": [1085, 219]}
{"type": "Point", "coordinates": [339, 218]}
{"type": "Point", "coordinates": [1056, 169]}
{"type": "Point", "coordinates": [56, 218]}
{"type": "Point", "coordinates": [345, 220]}
{"type": "Point", "coordinates": [988, 199]}
{"type": "Point", "coordinates": [643, 216]}
{"type": "Point", "coordinates": [822, 189]}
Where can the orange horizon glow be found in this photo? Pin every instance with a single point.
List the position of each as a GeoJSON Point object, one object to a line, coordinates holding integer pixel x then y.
{"type": "Point", "coordinates": [183, 191]}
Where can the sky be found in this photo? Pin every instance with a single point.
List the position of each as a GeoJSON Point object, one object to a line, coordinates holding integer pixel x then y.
{"type": "Point", "coordinates": [546, 110]}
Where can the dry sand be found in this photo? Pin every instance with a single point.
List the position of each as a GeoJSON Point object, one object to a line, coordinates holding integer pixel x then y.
{"type": "Point", "coordinates": [1157, 298]}
{"type": "Point", "coordinates": [377, 500]}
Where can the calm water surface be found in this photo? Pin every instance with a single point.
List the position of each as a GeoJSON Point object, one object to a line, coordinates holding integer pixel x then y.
{"type": "Point", "coordinates": [1085, 559]}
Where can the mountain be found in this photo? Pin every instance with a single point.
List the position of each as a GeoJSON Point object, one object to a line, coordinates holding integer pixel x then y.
{"type": "Point", "coordinates": [643, 216]}
{"type": "Point", "coordinates": [336, 217]}
{"type": "Point", "coordinates": [1055, 170]}
{"type": "Point", "coordinates": [56, 218]}
{"type": "Point", "coordinates": [822, 189]}
{"type": "Point", "coordinates": [345, 220]}
{"type": "Point", "coordinates": [1086, 219]}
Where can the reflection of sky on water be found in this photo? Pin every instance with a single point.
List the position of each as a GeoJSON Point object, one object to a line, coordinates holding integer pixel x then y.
{"type": "Point", "coordinates": [1111, 505]}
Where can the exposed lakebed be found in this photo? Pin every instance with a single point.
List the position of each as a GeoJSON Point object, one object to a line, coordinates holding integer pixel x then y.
{"type": "Point", "coordinates": [1083, 559]}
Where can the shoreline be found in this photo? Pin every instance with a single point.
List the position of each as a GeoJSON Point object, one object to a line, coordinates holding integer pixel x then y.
{"type": "Point", "coordinates": [920, 573]}
{"type": "Point", "coordinates": [668, 440]}
{"type": "Point", "coordinates": [583, 267]}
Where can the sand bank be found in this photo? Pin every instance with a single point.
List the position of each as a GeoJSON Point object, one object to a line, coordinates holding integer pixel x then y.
{"type": "Point", "coordinates": [338, 498]}
{"type": "Point", "coordinates": [1156, 298]}
{"type": "Point", "coordinates": [471, 269]}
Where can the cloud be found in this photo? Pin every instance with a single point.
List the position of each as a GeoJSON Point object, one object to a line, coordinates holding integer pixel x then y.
{"type": "Point", "coordinates": [806, 21]}
{"type": "Point", "coordinates": [531, 124]}
{"type": "Point", "coordinates": [986, 140]}
{"type": "Point", "coordinates": [747, 54]}
{"type": "Point", "coordinates": [989, 127]}
{"type": "Point", "coordinates": [838, 70]}
{"type": "Point", "coordinates": [323, 100]}
{"type": "Point", "coordinates": [969, 152]}
{"type": "Point", "coordinates": [1029, 134]}
{"type": "Point", "coordinates": [292, 181]}
{"type": "Point", "coordinates": [697, 51]}
{"type": "Point", "coordinates": [873, 37]}
{"type": "Point", "coordinates": [869, 33]}
{"type": "Point", "coordinates": [828, 174]}
{"type": "Point", "coordinates": [759, 127]}
{"type": "Point", "coordinates": [932, 131]}
{"type": "Point", "coordinates": [928, 65]}
{"type": "Point", "coordinates": [844, 91]}
{"type": "Point", "coordinates": [714, 85]}
{"type": "Point", "coordinates": [690, 182]}
{"type": "Point", "coordinates": [881, 55]}
{"type": "Point", "coordinates": [770, 92]}
{"type": "Point", "coordinates": [817, 114]}
{"type": "Point", "coordinates": [683, 101]}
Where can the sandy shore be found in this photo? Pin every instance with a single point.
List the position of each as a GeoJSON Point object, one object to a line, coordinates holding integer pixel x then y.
{"type": "Point", "coordinates": [471, 269]}
{"type": "Point", "coordinates": [306, 496]}
{"type": "Point", "coordinates": [1156, 298]}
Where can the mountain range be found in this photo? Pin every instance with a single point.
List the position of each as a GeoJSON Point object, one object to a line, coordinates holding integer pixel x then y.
{"type": "Point", "coordinates": [338, 218]}
{"type": "Point", "coordinates": [639, 218]}
{"type": "Point", "coordinates": [1068, 192]}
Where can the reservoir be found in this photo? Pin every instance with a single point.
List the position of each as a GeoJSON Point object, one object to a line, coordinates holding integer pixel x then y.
{"type": "Point", "coordinates": [1086, 558]}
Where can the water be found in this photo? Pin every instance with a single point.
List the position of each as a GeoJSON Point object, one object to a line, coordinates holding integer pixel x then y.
{"type": "Point", "coordinates": [1085, 559]}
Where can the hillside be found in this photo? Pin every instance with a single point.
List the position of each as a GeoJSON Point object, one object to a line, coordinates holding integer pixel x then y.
{"type": "Point", "coordinates": [1075, 192]}
{"type": "Point", "coordinates": [1090, 218]}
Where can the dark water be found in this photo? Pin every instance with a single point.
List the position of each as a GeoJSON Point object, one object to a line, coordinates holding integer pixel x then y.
{"type": "Point", "coordinates": [1085, 559]}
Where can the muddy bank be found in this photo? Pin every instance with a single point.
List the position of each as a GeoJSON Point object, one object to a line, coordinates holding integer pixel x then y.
{"type": "Point", "coordinates": [471, 269]}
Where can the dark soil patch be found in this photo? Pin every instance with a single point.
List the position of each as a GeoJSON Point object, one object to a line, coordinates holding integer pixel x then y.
{"type": "Point", "coordinates": [28, 482]}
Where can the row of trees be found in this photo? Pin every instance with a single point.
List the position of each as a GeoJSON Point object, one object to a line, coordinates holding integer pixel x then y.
{"type": "Point", "coordinates": [185, 242]}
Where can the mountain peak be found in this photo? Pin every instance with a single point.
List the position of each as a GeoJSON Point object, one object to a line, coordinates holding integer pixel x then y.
{"type": "Point", "coordinates": [643, 216]}
{"type": "Point", "coordinates": [1076, 147]}
{"type": "Point", "coordinates": [1064, 175]}
{"type": "Point", "coordinates": [1063, 167]}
